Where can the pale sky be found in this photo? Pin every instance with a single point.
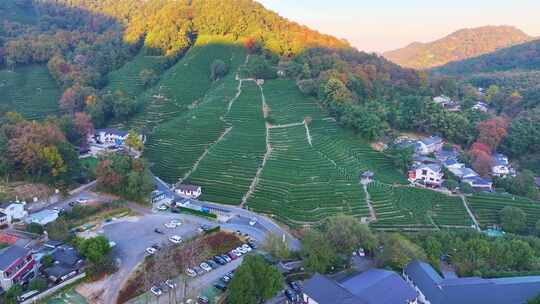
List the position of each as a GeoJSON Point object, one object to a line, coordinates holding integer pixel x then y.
{"type": "Point", "coordinates": [381, 25]}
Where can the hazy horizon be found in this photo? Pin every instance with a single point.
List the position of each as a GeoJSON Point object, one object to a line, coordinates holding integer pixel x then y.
{"type": "Point", "coordinates": [384, 25]}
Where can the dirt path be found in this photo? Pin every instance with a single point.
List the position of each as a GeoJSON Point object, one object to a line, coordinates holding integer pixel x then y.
{"type": "Point", "coordinates": [308, 135]}
{"type": "Point", "coordinates": [255, 181]}
{"type": "Point", "coordinates": [372, 213]}
{"type": "Point", "coordinates": [198, 161]}
{"type": "Point", "coordinates": [471, 215]}
{"type": "Point", "coordinates": [294, 124]}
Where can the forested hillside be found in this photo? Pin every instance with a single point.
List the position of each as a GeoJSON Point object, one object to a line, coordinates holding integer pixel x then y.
{"type": "Point", "coordinates": [460, 45]}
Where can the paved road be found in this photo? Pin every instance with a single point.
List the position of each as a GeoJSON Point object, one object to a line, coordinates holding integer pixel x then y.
{"type": "Point", "coordinates": [241, 217]}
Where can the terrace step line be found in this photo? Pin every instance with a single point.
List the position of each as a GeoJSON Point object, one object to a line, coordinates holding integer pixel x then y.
{"type": "Point", "coordinates": [256, 179]}
{"type": "Point", "coordinates": [308, 135]}
{"type": "Point", "coordinates": [372, 213]}
{"type": "Point", "coordinates": [471, 215]}
{"type": "Point", "coordinates": [198, 161]}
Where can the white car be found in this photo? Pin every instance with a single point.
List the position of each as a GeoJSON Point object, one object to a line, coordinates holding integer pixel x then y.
{"type": "Point", "coordinates": [190, 272]}
{"type": "Point", "coordinates": [246, 247]}
{"type": "Point", "coordinates": [242, 250]}
{"type": "Point", "coordinates": [176, 222]}
{"type": "Point", "coordinates": [151, 250]}
{"type": "Point", "coordinates": [237, 252]}
{"type": "Point", "coordinates": [171, 284]}
{"type": "Point", "coordinates": [82, 200]}
{"type": "Point", "coordinates": [253, 222]}
{"type": "Point", "coordinates": [206, 267]}
{"type": "Point", "coordinates": [162, 208]}
{"type": "Point", "coordinates": [156, 291]}
{"type": "Point", "coordinates": [170, 225]}
{"type": "Point", "coordinates": [175, 239]}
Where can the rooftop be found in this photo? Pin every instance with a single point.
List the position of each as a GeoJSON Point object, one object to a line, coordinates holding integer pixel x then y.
{"type": "Point", "coordinates": [10, 255]}
{"type": "Point", "coordinates": [375, 286]}
{"type": "Point", "coordinates": [112, 131]}
{"type": "Point", "coordinates": [471, 290]}
{"type": "Point", "coordinates": [66, 255]}
{"type": "Point", "coordinates": [187, 187]}
{"type": "Point", "coordinates": [431, 140]}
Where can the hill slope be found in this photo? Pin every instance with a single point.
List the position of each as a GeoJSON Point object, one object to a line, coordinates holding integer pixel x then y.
{"type": "Point", "coordinates": [525, 57]}
{"type": "Point", "coordinates": [460, 45]}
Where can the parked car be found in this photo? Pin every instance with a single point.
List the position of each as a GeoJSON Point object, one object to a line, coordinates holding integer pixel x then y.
{"type": "Point", "coordinates": [247, 248]}
{"type": "Point", "coordinates": [291, 295]}
{"type": "Point", "coordinates": [157, 230]}
{"type": "Point", "coordinates": [202, 300]}
{"type": "Point", "coordinates": [230, 274]}
{"type": "Point", "coordinates": [220, 286]}
{"type": "Point", "coordinates": [226, 258]}
{"type": "Point", "coordinates": [156, 247]}
{"type": "Point", "coordinates": [198, 270]}
{"type": "Point", "coordinates": [190, 272]}
{"type": "Point", "coordinates": [151, 250]}
{"type": "Point", "coordinates": [83, 200]}
{"type": "Point", "coordinates": [296, 286]}
{"type": "Point", "coordinates": [162, 207]}
{"type": "Point", "coordinates": [169, 225]}
{"type": "Point", "coordinates": [176, 222]}
{"type": "Point", "coordinates": [232, 255]}
{"type": "Point", "coordinates": [226, 279]}
{"type": "Point", "coordinates": [204, 228]}
{"type": "Point", "coordinates": [252, 244]}
{"type": "Point", "coordinates": [156, 291]}
{"type": "Point", "coordinates": [171, 284]}
{"type": "Point", "coordinates": [220, 260]}
{"type": "Point", "coordinates": [253, 222]}
{"type": "Point", "coordinates": [212, 264]}
{"type": "Point", "coordinates": [72, 204]}
{"type": "Point", "coordinates": [205, 267]}
{"type": "Point", "coordinates": [175, 239]}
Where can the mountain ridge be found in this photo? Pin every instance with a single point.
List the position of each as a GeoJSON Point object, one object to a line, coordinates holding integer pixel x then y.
{"type": "Point", "coordinates": [460, 45]}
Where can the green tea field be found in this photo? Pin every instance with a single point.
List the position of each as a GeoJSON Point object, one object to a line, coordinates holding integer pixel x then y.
{"type": "Point", "coordinates": [407, 208]}
{"type": "Point", "coordinates": [29, 90]}
{"type": "Point", "coordinates": [486, 207]}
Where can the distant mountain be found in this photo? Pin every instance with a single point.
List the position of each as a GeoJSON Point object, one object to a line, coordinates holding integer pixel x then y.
{"type": "Point", "coordinates": [522, 57]}
{"type": "Point", "coordinates": [460, 45]}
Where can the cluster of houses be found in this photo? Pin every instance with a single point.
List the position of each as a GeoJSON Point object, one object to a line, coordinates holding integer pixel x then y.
{"type": "Point", "coordinates": [19, 264]}
{"type": "Point", "coordinates": [418, 284]}
{"type": "Point", "coordinates": [430, 158]}
{"type": "Point", "coordinates": [454, 106]}
{"type": "Point", "coordinates": [13, 212]}
{"type": "Point", "coordinates": [107, 140]}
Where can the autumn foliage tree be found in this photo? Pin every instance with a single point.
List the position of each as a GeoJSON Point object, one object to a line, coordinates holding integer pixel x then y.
{"type": "Point", "coordinates": [492, 131]}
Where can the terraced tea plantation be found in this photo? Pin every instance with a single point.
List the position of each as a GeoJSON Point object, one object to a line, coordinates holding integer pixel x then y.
{"type": "Point", "coordinates": [228, 169]}
{"type": "Point", "coordinates": [128, 77]}
{"type": "Point", "coordinates": [29, 90]}
{"type": "Point", "coordinates": [215, 134]}
{"type": "Point", "coordinates": [407, 208]}
{"type": "Point", "coordinates": [301, 185]}
{"type": "Point", "coordinates": [486, 207]}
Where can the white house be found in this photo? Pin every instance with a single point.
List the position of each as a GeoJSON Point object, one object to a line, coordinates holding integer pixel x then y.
{"type": "Point", "coordinates": [13, 211]}
{"type": "Point", "coordinates": [501, 166]}
{"type": "Point", "coordinates": [189, 191]}
{"type": "Point", "coordinates": [43, 217]}
{"type": "Point", "coordinates": [430, 174]}
{"type": "Point", "coordinates": [109, 137]}
{"type": "Point", "coordinates": [481, 107]}
{"type": "Point", "coordinates": [429, 145]}
{"type": "Point", "coordinates": [443, 100]}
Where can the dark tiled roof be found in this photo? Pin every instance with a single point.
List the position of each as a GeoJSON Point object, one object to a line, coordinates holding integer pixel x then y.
{"type": "Point", "coordinates": [187, 187]}
{"type": "Point", "coordinates": [58, 271]}
{"type": "Point", "coordinates": [472, 290]}
{"type": "Point", "coordinates": [326, 291]}
{"type": "Point", "coordinates": [66, 255]}
{"type": "Point", "coordinates": [11, 254]}
{"type": "Point", "coordinates": [378, 286]}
